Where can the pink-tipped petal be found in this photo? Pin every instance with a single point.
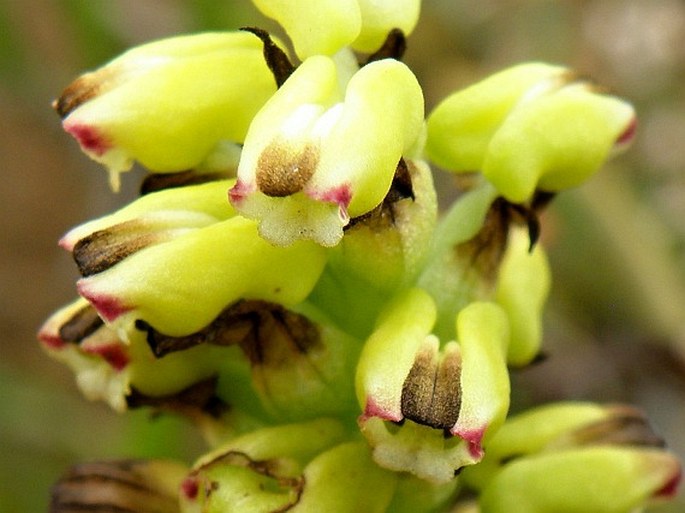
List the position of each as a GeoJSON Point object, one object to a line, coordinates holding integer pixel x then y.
{"type": "Point", "coordinates": [109, 308]}
{"type": "Point", "coordinates": [89, 138]}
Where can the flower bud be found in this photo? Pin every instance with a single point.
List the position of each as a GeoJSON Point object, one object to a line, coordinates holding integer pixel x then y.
{"type": "Point", "coordinates": [556, 142]}
{"type": "Point", "coordinates": [196, 205]}
{"type": "Point", "coordinates": [600, 479]}
{"type": "Point", "coordinates": [313, 159]}
{"type": "Point", "coordinates": [461, 391]}
{"type": "Point", "coordinates": [528, 127]}
{"type": "Point", "coordinates": [135, 486]}
{"type": "Point", "coordinates": [413, 495]}
{"type": "Point", "coordinates": [170, 103]}
{"type": "Point", "coordinates": [574, 457]}
{"type": "Point", "coordinates": [125, 373]}
{"type": "Point", "coordinates": [180, 286]}
{"type": "Point", "coordinates": [345, 479]}
{"type": "Point", "coordinates": [315, 26]}
{"type": "Point", "coordinates": [258, 471]}
{"type": "Point", "coordinates": [461, 126]}
{"type": "Point", "coordinates": [152, 219]}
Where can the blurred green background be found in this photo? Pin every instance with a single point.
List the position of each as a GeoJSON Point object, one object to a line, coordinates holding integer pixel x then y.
{"type": "Point", "coordinates": [616, 319]}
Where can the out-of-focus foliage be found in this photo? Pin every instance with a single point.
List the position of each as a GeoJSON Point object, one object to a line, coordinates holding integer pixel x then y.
{"type": "Point", "coordinates": [616, 324]}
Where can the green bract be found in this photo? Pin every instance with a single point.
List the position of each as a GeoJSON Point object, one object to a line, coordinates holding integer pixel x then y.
{"type": "Point", "coordinates": [341, 345]}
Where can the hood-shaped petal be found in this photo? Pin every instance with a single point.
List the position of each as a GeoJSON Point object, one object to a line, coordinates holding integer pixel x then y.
{"type": "Point", "coordinates": [315, 26]}
{"type": "Point", "coordinates": [461, 126]}
{"type": "Point", "coordinates": [556, 141]}
{"type": "Point", "coordinates": [599, 479]}
{"type": "Point", "coordinates": [380, 17]}
{"type": "Point", "coordinates": [179, 287]}
{"type": "Point", "coordinates": [170, 103]}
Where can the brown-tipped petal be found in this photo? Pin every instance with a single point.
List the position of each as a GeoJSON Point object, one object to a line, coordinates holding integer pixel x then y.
{"type": "Point", "coordinates": [127, 486]}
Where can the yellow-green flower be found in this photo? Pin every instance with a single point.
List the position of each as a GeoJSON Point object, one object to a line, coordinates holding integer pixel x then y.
{"type": "Point", "coordinates": [321, 152]}
{"type": "Point", "coordinates": [169, 104]}
{"type": "Point", "coordinates": [529, 127]}
{"type": "Point", "coordinates": [341, 345]}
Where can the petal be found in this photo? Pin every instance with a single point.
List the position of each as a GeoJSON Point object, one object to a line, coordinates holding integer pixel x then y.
{"type": "Point", "coordinates": [555, 141]}
{"type": "Point", "coordinates": [461, 126]}
{"type": "Point", "coordinates": [522, 287]}
{"type": "Point", "coordinates": [180, 286]}
{"type": "Point", "coordinates": [483, 333]}
{"type": "Point", "coordinates": [389, 354]}
{"type": "Point", "coordinates": [597, 479]}
{"type": "Point", "coordinates": [170, 104]}
{"type": "Point", "coordinates": [380, 17]}
{"type": "Point", "coordinates": [315, 26]}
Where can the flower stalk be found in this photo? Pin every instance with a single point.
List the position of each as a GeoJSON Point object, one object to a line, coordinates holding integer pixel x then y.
{"type": "Point", "coordinates": [287, 283]}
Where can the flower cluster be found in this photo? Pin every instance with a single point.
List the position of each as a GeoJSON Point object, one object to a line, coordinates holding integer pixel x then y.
{"type": "Point", "coordinates": [285, 280]}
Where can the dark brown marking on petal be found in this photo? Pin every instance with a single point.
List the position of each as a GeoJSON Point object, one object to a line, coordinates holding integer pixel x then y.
{"type": "Point", "coordinates": [530, 214]}
{"type": "Point", "coordinates": [625, 426]}
{"type": "Point", "coordinates": [234, 325]}
{"type": "Point", "coordinates": [279, 338]}
{"type": "Point", "coordinates": [485, 251]}
{"type": "Point", "coordinates": [111, 487]}
{"type": "Point", "coordinates": [282, 171]}
{"type": "Point", "coordinates": [393, 47]}
{"type": "Point", "coordinates": [78, 92]}
{"type": "Point", "coordinates": [199, 398]}
{"type": "Point", "coordinates": [105, 248]}
{"type": "Point", "coordinates": [267, 333]}
{"type": "Point", "coordinates": [276, 59]}
{"type": "Point", "coordinates": [81, 324]}
{"type": "Point", "coordinates": [431, 392]}
{"type": "Point", "coordinates": [383, 216]}
{"type": "Point", "coordinates": [154, 182]}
